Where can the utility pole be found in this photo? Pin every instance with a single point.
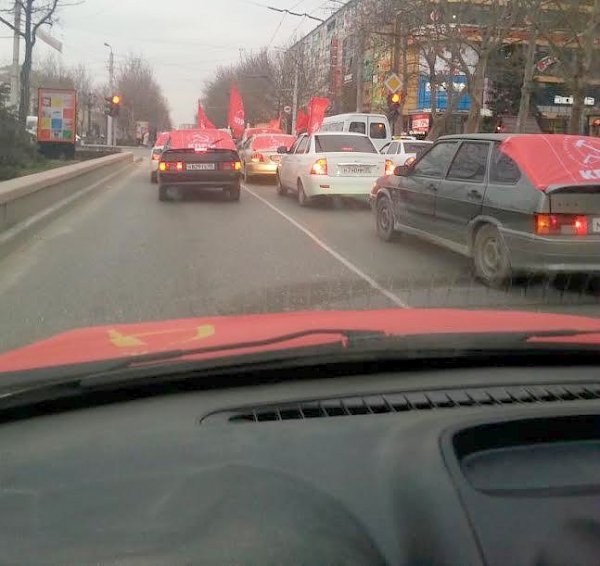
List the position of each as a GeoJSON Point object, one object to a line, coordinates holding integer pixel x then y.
{"type": "Point", "coordinates": [14, 74]}
{"type": "Point", "coordinates": [111, 83]}
{"type": "Point", "coordinates": [89, 114]}
{"type": "Point", "coordinates": [295, 98]}
{"type": "Point", "coordinates": [359, 71]}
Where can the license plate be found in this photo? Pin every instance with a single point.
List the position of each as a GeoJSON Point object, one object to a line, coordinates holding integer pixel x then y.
{"type": "Point", "coordinates": [596, 225]}
{"type": "Point", "coordinates": [200, 166]}
{"type": "Point", "coordinates": [355, 169]}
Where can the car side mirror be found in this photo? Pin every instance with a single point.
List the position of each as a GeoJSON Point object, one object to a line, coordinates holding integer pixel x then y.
{"type": "Point", "coordinates": [401, 171]}
{"type": "Point", "coordinates": [282, 149]}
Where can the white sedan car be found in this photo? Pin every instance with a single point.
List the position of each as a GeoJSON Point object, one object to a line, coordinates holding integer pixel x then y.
{"type": "Point", "coordinates": [403, 152]}
{"type": "Point", "coordinates": [329, 164]}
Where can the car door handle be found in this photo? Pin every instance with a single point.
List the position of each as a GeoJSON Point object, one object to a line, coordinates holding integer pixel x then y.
{"type": "Point", "coordinates": [474, 194]}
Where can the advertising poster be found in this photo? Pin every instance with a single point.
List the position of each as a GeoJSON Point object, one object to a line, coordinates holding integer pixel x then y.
{"type": "Point", "coordinates": [57, 111]}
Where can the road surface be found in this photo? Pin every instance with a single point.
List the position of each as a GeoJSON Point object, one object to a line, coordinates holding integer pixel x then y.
{"type": "Point", "coordinates": [122, 256]}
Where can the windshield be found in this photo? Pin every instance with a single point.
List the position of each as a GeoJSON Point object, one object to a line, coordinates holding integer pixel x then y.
{"type": "Point", "coordinates": [341, 143]}
{"type": "Point", "coordinates": [143, 179]}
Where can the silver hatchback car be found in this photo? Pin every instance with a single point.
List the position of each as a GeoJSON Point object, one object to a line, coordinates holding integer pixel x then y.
{"type": "Point", "coordinates": [515, 204]}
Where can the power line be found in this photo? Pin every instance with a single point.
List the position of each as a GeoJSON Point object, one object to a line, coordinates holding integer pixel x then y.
{"type": "Point", "coordinates": [286, 11]}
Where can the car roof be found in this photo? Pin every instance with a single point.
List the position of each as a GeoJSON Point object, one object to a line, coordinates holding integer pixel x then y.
{"type": "Point", "coordinates": [341, 134]}
{"type": "Point", "coordinates": [487, 137]}
{"type": "Point", "coordinates": [347, 114]}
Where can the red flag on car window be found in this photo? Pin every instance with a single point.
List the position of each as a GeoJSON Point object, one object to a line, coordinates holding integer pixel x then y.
{"type": "Point", "coordinates": [301, 121]}
{"type": "Point", "coordinates": [202, 120]}
{"type": "Point", "coordinates": [316, 112]}
{"type": "Point", "coordinates": [235, 117]}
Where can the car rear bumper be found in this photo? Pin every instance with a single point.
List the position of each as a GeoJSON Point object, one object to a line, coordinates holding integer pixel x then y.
{"type": "Point", "coordinates": [216, 181]}
{"type": "Point", "coordinates": [316, 185]}
{"type": "Point", "coordinates": [553, 255]}
{"type": "Point", "coordinates": [261, 168]}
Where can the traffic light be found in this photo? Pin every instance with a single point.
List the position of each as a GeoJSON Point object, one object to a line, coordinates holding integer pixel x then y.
{"type": "Point", "coordinates": [393, 101]}
{"type": "Point", "coordinates": [113, 105]}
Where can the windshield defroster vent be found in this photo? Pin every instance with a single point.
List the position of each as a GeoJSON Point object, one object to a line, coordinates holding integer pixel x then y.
{"type": "Point", "coordinates": [401, 402]}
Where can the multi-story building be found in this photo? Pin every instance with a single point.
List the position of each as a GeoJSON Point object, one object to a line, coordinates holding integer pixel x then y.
{"type": "Point", "coordinates": [350, 63]}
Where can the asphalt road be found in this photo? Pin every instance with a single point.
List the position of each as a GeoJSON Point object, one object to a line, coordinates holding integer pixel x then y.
{"type": "Point", "coordinates": [122, 256]}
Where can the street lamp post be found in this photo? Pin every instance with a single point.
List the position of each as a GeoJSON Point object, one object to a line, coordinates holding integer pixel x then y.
{"type": "Point", "coordinates": [111, 80]}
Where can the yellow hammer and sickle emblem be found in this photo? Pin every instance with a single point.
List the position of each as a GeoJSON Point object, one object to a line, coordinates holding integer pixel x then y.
{"type": "Point", "coordinates": [121, 340]}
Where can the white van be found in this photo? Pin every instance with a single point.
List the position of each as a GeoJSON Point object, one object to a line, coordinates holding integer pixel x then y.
{"type": "Point", "coordinates": [376, 126]}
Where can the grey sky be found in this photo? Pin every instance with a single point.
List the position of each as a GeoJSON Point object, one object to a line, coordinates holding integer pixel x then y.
{"type": "Point", "coordinates": [184, 40]}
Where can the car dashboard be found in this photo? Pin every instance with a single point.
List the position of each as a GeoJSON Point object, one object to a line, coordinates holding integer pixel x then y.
{"type": "Point", "coordinates": [490, 466]}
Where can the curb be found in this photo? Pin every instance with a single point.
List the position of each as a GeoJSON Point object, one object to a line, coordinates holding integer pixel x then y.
{"type": "Point", "coordinates": [13, 237]}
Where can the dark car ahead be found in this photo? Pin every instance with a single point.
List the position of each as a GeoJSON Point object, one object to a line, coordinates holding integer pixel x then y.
{"type": "Point", "coordinates": [514, 203]}
{"type": "Point", "coordinates": [199, 159]}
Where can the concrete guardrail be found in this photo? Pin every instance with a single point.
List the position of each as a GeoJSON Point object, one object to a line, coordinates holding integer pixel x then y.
{"type": "Point", "coordinates": [27, 202]}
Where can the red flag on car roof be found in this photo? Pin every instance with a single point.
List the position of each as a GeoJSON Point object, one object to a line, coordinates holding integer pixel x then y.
{"type": "Point", "coordinates": [316, 112]}
{"type": "Point", "coordinates": [202, 120]}
{"type": "Point", "coordinates": [235, 116]}
{"type": "Point", "coordinates": [301, 121]}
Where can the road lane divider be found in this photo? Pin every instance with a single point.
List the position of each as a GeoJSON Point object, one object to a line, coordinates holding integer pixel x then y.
{"type": "Point", "coordinates": [336, 255]}
{"type": "Point", "coordinates": [28, 203]}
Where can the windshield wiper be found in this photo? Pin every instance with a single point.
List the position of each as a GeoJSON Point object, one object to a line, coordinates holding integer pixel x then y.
{"type": "Point", "coordinates": [353, 346]}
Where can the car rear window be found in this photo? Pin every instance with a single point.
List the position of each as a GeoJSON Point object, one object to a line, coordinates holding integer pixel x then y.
{"type": "Point", "coordinates": [342, 143]}
{"type": "Point", "coordinates": [415, 147]}
{"type": "Point", "coordinates": [267, 143]}
{"type": "Point", "coordinates": [377, 130]}
{"type": "Point", "coordinates": [358, 127]}
{"type": "Point", "coordinates": [200, 140]}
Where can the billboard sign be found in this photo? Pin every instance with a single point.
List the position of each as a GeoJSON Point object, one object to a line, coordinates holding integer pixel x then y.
{"type": "Point", "coordinates": [57, 110]}
{"type": "Point", "coordinates": [420, 123]}
{"type": "Point", "coordinates": [459, 83]}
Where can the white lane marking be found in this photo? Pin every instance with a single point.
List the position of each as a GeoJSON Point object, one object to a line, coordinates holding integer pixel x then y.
{"type": "Point", "coordinates": [347, 263]}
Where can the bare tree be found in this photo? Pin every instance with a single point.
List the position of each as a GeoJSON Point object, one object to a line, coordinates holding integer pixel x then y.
{"type": "Point", "coordinates": [142, 97]}
{"type": "Point", "coordinates": [571, 29]}
{"type": "Point", "coordinates": [35, 14]}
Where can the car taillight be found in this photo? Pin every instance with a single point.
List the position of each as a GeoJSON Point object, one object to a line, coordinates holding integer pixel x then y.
{"type": "Point", "coordinates": [410, 160]}
{"type": "Point", "coordinates": [547, 224]}
{"type": "Point", "coordinates": [232, 165]}
{"type": "Point", "coordinates": [389, 167]}
{"type": "Point", "coordinates": [319, 167]}
{"type": "Point", "coordinates": [170, 166]}
{"type": "Point", "coordinates": [257, 157]}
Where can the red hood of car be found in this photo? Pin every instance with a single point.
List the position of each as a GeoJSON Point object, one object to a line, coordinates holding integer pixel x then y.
{"type": "Point", "coordinates": [125, 340]}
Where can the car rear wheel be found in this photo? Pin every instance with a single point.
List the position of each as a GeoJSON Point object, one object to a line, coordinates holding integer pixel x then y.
{"type": "Point", "coordinates": [281, 190]}
{"type": "Point", "coordinates": [303, 200]}
{"type": "Point", "coordinates": [384, 218]}
{"type": "Point", "coordinates": [491, 258]}
{"type": "Point", "coordinates": [233, 193]}
{"type": "Point", "coordinates": [162, 194]}
{"type": "Point", "coordinates": [153, 177]}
